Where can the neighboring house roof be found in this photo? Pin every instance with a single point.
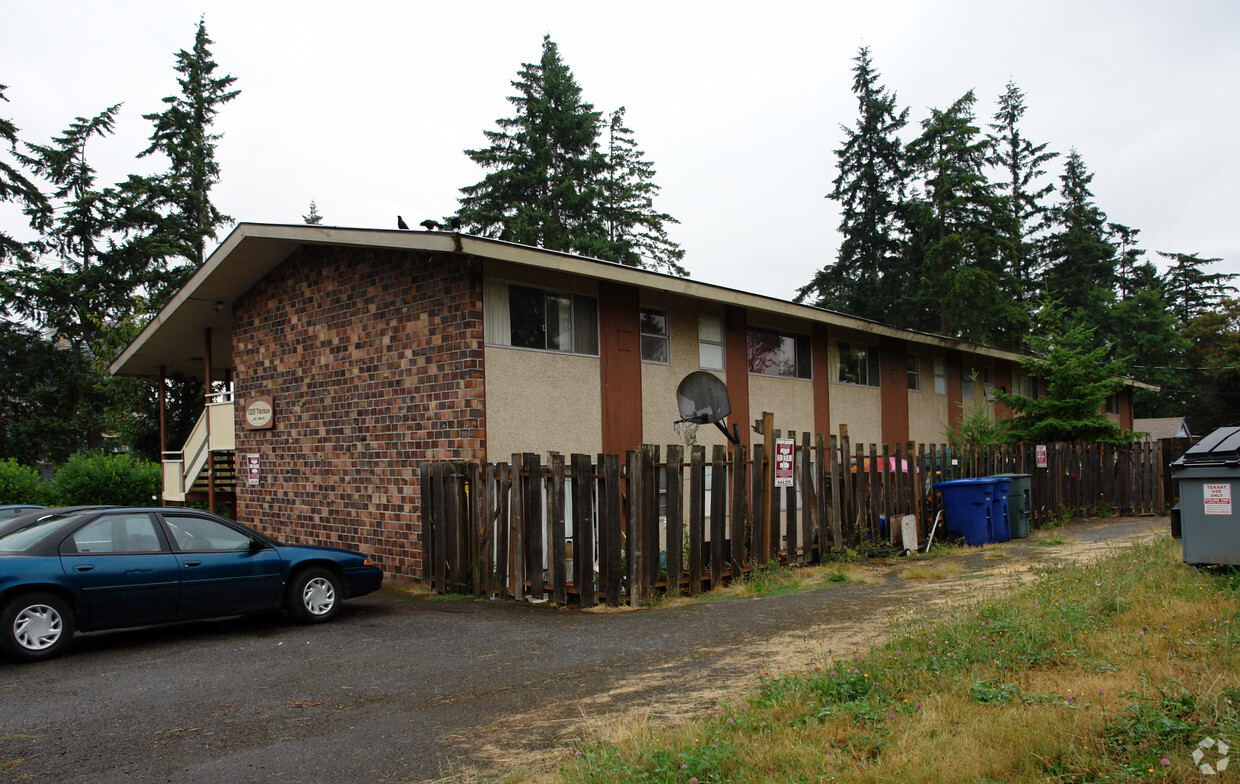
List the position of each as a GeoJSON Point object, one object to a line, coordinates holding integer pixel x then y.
{"type": "Point", "coordinates": [253, 250]}
{"type": "Point", "coordinates": [1162, 427]}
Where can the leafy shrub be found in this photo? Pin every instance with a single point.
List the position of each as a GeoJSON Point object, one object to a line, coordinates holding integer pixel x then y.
{"type": "Point", "coordinates": [119, 480]}
{"type": "Point", "coordinates": [19, 484]}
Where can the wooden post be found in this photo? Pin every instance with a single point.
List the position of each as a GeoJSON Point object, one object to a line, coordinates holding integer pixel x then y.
{"type": "Point", "coordinates": [583, 529]}
{"type": "Point", "coordinates": [790, 507]}
{"type": "Point", "coordinates": [558, 545]}
{"type": "Point", "coordinates": [768, 480]}
{"type": "Point", "coordinates": [740, 508]}
{"type": "Point", "coordinates": [635, 533]}
{"type": "Point", "coordinates": [718, 512]}
{"type": "Point", "coordinates": [756, 482]}
{"type": "Point", "coordinates": [675, 473]}
{"type": "Point", "coordinates": [609, 532]}
{"type": "Point", "coordinates": [697, 515]}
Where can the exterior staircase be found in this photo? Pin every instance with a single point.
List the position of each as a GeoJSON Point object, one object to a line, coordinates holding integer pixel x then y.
{"type": "Point", "coordinates": [210, 445]}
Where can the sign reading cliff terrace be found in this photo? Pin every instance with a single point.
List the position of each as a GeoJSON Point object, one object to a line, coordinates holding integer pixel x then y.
{"type": "Point", "coordinates": [259, 413]}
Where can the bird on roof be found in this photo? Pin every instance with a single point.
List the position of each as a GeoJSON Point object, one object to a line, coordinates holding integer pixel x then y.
{"type": "Point", "coordinates": [400, 223]}
{"type": "Point", "coordinates": [431, 225]}
{"type": "Point", "coordinates": [455, 221]}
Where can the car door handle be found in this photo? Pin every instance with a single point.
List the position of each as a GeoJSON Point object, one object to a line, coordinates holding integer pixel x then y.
{"type": "Point", "coordinates": [191, 563]}
{"type": "Point", "coordinates": [84, 567]}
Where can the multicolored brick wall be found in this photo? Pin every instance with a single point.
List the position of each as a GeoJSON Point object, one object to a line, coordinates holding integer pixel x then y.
{"type": "Point", "coordinates": [374, 361]}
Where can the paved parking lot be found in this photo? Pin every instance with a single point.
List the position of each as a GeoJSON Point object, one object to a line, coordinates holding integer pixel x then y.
{"type": "Point", "coordinates": [403, 689]}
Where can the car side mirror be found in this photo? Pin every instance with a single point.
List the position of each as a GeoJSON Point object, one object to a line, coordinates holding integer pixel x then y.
{"type": "Point", "coordinates": [256, 545]}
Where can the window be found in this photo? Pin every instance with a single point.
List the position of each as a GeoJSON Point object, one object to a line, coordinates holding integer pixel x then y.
{"type": "Point", "coordinates": [987, 376]}
{"type": "Point", "coordinates": [654, 336]}
{"type": "Point", "coordinates": [1112, 404]}
{"type": "Point", "coordinates": [525, 317]}
{"type": "Point", "coordinates": [710, 342]}
{"type": "Point", "coordinates": [967, 376]}
{"type": "Point", "coordinates": [197, 534]}
{"type": "Point", "coordinates": [940, 376]}
{"type": "Point", "coordinates": [914, 373]}
{"type": "Point", "coordinates": [771, 353]}
{"type": "Point", "coordinates": [1022, 384]}
{"type": "Point", "coordinates": [856, 364]}
{"type": "Point", "coordinates": [119, 533]}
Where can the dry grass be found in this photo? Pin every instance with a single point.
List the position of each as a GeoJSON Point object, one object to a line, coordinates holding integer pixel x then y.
{"type": "Point", "coordinates": [1106, 672]}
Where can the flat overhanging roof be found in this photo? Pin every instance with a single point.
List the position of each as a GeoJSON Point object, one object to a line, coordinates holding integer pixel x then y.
{"type": "Point", "coordinates": [174, 340]}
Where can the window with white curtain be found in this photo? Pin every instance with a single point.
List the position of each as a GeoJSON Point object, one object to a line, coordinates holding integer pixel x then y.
{"type": "Point", "coordinates": [528, 317]}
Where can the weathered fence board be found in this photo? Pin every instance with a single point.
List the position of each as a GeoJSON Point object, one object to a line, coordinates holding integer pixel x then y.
{"type": "Point", "coordinates": [508, 529]}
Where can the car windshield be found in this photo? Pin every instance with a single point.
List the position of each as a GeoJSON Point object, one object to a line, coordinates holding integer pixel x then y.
{"type": "Point", "coordinates": [23, 538]}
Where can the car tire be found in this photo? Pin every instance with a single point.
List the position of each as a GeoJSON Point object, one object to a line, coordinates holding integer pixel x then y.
{"type": "Point", "coordinates": [314, 596]}
{"type": "Point", "coordinates": [36, 626]}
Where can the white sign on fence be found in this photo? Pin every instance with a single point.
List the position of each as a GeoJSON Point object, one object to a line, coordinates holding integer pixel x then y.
{"type": "Point", "coordinates": [1218, 499]}
{"type": "Point", "coordinates": [784, 448]}
{"type": "Point", "coordinates": [1040, 454]}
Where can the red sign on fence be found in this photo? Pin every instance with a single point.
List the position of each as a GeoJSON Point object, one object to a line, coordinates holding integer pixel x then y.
{"type": "Point", "coordinates": [783, 461]}
{"type": "Point", "coordinates": [1040, 455]}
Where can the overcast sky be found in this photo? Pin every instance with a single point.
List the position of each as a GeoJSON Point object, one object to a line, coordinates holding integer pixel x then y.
{"type": "Point", "coordinates": [366, 107]}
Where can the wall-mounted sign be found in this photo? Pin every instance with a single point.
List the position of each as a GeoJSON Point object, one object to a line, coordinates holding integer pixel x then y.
{"type": "Point", "coordinates": [783, 461]}
{"type": "Point", "coordinates": [251, 463]}
{"type": "Point", "coordinates": [1040, 455]}
{"type": "Point", "coordinates": [259, 413]}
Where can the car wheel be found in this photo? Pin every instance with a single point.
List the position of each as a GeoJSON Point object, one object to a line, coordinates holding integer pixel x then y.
{"type": "Point", "coordinates": [314, 596]}
{"type": "Point", "coordinates": [36, 626]}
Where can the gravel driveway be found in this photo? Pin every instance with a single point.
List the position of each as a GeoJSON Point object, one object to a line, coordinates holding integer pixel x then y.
{"type": "Point", "coordinates": [403, 689]}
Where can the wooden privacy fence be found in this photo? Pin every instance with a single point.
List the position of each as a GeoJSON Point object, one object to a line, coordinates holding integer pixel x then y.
{"type": "Point", "coordinates": [617, 531]}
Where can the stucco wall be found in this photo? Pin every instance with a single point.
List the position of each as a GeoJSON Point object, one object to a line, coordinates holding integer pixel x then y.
{"type": "Point", "coordinates": [791, 400]}
{"type": "Point", "coordinates": [374, 360]}
{"type": "Point", "coordinates": [541, 401]}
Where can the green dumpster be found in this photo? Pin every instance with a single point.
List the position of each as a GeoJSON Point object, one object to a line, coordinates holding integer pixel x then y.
{"type": "Point", "coordinates": [1020, 503]}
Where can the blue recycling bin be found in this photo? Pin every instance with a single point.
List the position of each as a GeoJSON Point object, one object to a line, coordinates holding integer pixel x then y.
{"type": "Point", "coordinates": [1000, 527]}
{"type": "Point", "coordinates": [967, 503]}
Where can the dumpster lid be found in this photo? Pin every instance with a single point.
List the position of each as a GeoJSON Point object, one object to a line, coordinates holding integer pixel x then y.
{"type": "Point", "coordinates": [1222, 447]}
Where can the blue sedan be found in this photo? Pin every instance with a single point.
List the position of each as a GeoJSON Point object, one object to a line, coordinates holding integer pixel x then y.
{"type": "Point", "coordinates": [106, 568]}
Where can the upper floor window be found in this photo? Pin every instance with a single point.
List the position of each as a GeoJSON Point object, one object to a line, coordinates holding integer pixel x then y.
{"type": "Point", "coordinates": [772, 353]}
{"type": "Point", "coordinates": [1022, 384]}
{"type": "Point", "coordinates": [710, 342]}
{"type": "Point", "coordinates": [654, 336]}
{"type": "Point", "coordinates": [940, 376]}
{"type": "Point", "coordinates": [856, 364]}
{"type": "Point", "coordinates": [914, 373]}
{"type": "Point", "coordinates": [526, 317]}
{"type": "Point", "coordinates": [1112, 404]}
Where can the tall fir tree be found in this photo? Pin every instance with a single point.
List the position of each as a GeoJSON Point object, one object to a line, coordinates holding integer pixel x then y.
{"type": "Point", "coordinates": [636, 234]}
{"type": "Point", "coordinates": [954, 245]}
{"type": "Point", "coordinates": [1081, 258]}
{"type": "Point", "coordinates": [17, 188]}
{"type": "Point", "coordinates": [544, 165]}
{"type": "Point", "coordinates": [1020, 162]}
{"type": "Point", "coordinates": [1215, 358]}
{"type": "Point", "coordinates": [1189, 289]}
{"type": "Point", "coordinates": [1077, 378]}
{"type": "Point", "coordinates": [870, 189]}
{"type": "Point", "coordinates": [183, 133]}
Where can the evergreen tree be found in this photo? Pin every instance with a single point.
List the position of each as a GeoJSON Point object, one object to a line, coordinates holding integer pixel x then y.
{"type": "Point", "coordinates": [16, 187]}
{"type": "Point", "coordinates": [1081, 259]}
{"type": "Point", "coordinates": [1132, 272]}
{"type": "Point", "coordinates": [870, 189]}
{"type": "Point", "coordinates": [635, 233]}
{"type": "Point", "coordinates": [954, 245]}
{"type": "Point", "coordinates": [1078, 379]}
{"type": "Point", "coordinates": [544, 165]}
{"type": "Point", "coordinates": [1190, 290]}
{"type": "Point", "coordinates": [313, 217]}
{"type": "Point", "coordinates": [1020, 162]}
{"type": "Point", "coordinates": [1214, 334]}
{"type": "Point", "coordinates": [1144, 333]}
{"type": "Point", "coordinates": [81, 289]}
{"type": "Point", "coordinates": [183, 134]}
